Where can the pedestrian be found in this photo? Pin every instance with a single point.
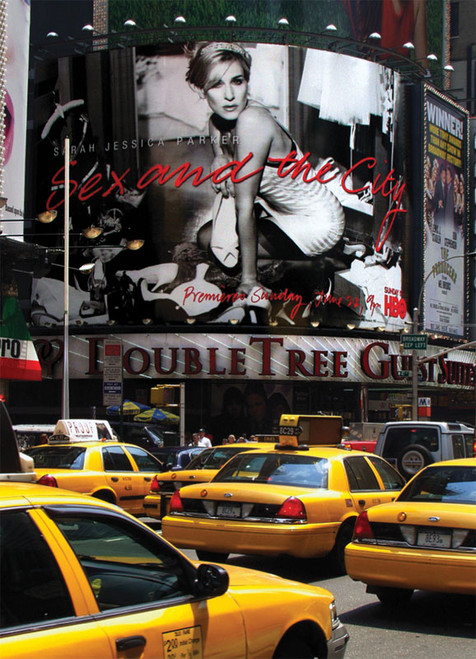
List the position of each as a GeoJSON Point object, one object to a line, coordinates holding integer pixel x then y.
{"type": "Point", "coordinates": [203, 439]}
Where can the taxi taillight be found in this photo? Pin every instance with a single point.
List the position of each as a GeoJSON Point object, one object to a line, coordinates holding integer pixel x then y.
{"type": "Point", "coordinates": [362, 528]}
{"type": "Point", "coordinates": [292, 508]}
{"type": "Point", "coordinates": [176, 505]}
{"type": "Point", "coordinates": [48, 480]}
{"type": "Point", "coordinates": [154, 486]}
{"type": "Point", "coordinates": [474, 449]}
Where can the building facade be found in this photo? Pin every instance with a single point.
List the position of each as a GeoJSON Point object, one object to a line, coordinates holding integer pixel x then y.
{"type": "Point", "coordinates": [362, 229]}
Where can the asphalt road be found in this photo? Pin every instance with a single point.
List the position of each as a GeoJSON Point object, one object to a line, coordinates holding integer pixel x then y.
{"type": "Point", "coordinates": [432, 626]}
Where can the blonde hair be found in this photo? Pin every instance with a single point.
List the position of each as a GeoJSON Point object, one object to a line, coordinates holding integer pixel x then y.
{"type": "Point", "coordinates": [208, 54]}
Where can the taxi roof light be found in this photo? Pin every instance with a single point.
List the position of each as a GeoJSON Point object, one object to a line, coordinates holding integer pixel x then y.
{"type": "Point", "coordinates": [292, 508]}
{"type": "Point", "coordinates": [176, 505]}
{"type": "Point", "coordinates": [362, 528]}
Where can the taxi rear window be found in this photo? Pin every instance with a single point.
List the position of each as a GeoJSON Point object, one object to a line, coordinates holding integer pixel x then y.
{"type": "Point", "coordinates": [57, 457]}
{"type": "Point", "coordinates": [445, 484]}
{"type": "Point", "coordinates": [215, 458]}
{"type": "Point", "coordinates": [276, 469]}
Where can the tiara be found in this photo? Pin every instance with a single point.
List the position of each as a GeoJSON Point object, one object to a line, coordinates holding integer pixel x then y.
{"type": "Point", "coordinates": [223, 45]}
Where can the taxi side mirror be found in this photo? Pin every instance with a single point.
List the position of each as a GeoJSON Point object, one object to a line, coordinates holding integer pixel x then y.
{"type": "Point", "coordinates": [211, 580]}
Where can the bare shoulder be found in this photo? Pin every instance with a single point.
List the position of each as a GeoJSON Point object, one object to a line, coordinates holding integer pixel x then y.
{"type": "Point", "coordinates": [255, 117]}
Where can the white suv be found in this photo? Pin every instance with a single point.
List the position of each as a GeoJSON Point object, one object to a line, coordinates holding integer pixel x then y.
{"type": "Point", "coordinates": [411, 445]}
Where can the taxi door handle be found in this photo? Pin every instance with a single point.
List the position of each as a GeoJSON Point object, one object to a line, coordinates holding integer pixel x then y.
{"type": "Point", "coordinates": [361, 502]}
{"type": "Point", "coordinates": [147, 478]}
{"type": "Point", "coordinates": [129, 642]}
{"type": "Point", "coordinates": [114, 479]}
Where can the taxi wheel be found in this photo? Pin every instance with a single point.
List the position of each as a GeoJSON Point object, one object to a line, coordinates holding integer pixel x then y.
{"type": "Point", "coordinates": [211, 556]}
{"type": "Point", "coordinates": [337, 555]}
{"type": "Point", "coordinates": [393, 597]}
{"type": "Point", "coordinates": [293, 647]}
{"type": "Point", "coordinates": [105, 496]}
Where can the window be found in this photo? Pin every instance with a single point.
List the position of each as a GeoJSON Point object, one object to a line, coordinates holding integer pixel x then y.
{"type": "Point", "coordinates": [124, 565]}
{"type": "Point", "coordinates": [114, 459]}
{"type": "Point", "coordinates": [33, 589]}
{"type": "Point", "coordinates": [399, 438]}
{"type": "Point", "coordinates": [58, 457]}
{"type": "Point", "coordinates": [390, 477]}
{"type": "Point", "coordinates": [280, 469]}
{"type": "Point", "coordinates": [454, 19]}
{"type": "Point", "coordinates": [143, 460]}
{"type": "Point", "coordinates": [360, 474]}
{"type": "Point", "coordinates": [446, 484]}
{"type": "Point", "coordinates": [462, 446]}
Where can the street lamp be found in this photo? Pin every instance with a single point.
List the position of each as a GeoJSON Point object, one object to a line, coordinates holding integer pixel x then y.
{"type": "Point", "coordinates": [65, 390]}
{"type": "Point", "coordinates": [415, 324]}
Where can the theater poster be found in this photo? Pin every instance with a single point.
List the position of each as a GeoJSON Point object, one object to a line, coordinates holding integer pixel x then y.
{"type": "Point", "coordinates": [327, 214]}
{"type": "Point", "coordinates": [446, 204]}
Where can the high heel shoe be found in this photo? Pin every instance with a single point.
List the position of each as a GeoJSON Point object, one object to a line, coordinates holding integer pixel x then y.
{"type": "Point", "coordinates": [224, 240]}
{"type": "Point", "coordinates": [258, 305]}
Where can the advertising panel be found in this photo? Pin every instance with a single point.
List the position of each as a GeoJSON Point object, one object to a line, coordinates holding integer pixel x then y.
{"type": "Point", "coordinates": [17, 25]}
{"type": "Point", "coordinates": [263, 183]}
{"type": "Point", "coordinates": [446, 205]}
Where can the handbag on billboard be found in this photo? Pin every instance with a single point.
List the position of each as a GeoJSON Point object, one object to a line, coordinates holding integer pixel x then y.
{"type": "Point", "coordinates": [224, 240]}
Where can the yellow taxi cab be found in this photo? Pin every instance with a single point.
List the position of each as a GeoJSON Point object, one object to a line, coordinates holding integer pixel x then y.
{"type": "Point", "coordinates": [200, 469]}
{"type": "Point", "coordinates": [293, 499]}
{"type": "Point", "coordinates": [82, 578]}
{"type": "Point", "coordinates": [108, 470]}
{"type": "Point", "coordinates": [425, 540]}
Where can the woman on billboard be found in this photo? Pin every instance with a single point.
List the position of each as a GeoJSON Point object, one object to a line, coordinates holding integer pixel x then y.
{"type": "Point", "coordinates": [277, 216]}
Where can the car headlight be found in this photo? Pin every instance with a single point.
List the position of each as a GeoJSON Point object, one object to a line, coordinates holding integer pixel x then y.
{"type": "Point", "coordinates": [334, 617]}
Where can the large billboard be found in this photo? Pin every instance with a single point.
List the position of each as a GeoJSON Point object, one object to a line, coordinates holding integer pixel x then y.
{"type": "Point", "coordinates": [17, 26]}
{"type": "Point", "coordinates": [445, 212]}
{"type": "Point", "coordinates": [266, 181]}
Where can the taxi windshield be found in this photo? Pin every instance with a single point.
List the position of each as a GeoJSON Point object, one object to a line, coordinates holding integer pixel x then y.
{"type": "Point", "coordinates": [57, 457]}
{"type": "Point", "coordinates": [445, 484]}
{"type": "Point", "coordinates": [276, 469]}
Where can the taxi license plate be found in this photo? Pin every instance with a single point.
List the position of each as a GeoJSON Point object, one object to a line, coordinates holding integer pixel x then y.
{"type": "Point", "coordinates": [434, 539]}
{"type": "Point", "coordinates": [228, 510]}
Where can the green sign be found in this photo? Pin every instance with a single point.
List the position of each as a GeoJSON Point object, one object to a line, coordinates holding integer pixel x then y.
{"type": "Point", "coordinates": [415, 341]}
{"type": "Point", "coordinates": [403, 374]}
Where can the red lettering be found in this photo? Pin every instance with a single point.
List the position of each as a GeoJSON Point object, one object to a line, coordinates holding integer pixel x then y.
{"type": "Point", "coordinates": [239, 165]}
{"type": "Point", "coordinates": [392, 214]}
{"type": "Point", "coordinates": [365, 361]}
{"type": "Point", "coordinates": [296, 359]}
{"type": "Point", "coordinates": [236, 360]}
{"type": "Point", "coordinates": [320, 363]}
{"type": "Point", "coordinates": [59, 181]}
{"type": "Point", "coordinates": [371, 162]}
{"type": "Point", "coordinates": [151, 175]}
{"type": "Point", "coordinates": [158, 361]}
{"type": "Point", "coordinates": [267, 343]}
{"type": "Point", "coordinates": [117, 183]}
{"type": "Point", "coordinates": [128, 359]}
{"type": "Point", "coordinates": [340, 364]}
{"type": "Point", "coordinates": [93, 356]}
{"type": "Point", "coordinates": [192, 363]}
{"type": "Point", "coordinates": [48, 358]}
{"type": "Point", "coordinates": [83, 193]}
{"type": "Point", "coordinates": [213, 367]}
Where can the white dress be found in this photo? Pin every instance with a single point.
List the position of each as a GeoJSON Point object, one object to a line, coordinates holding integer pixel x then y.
{"type": "Point", "coordinates": [309, 213]}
